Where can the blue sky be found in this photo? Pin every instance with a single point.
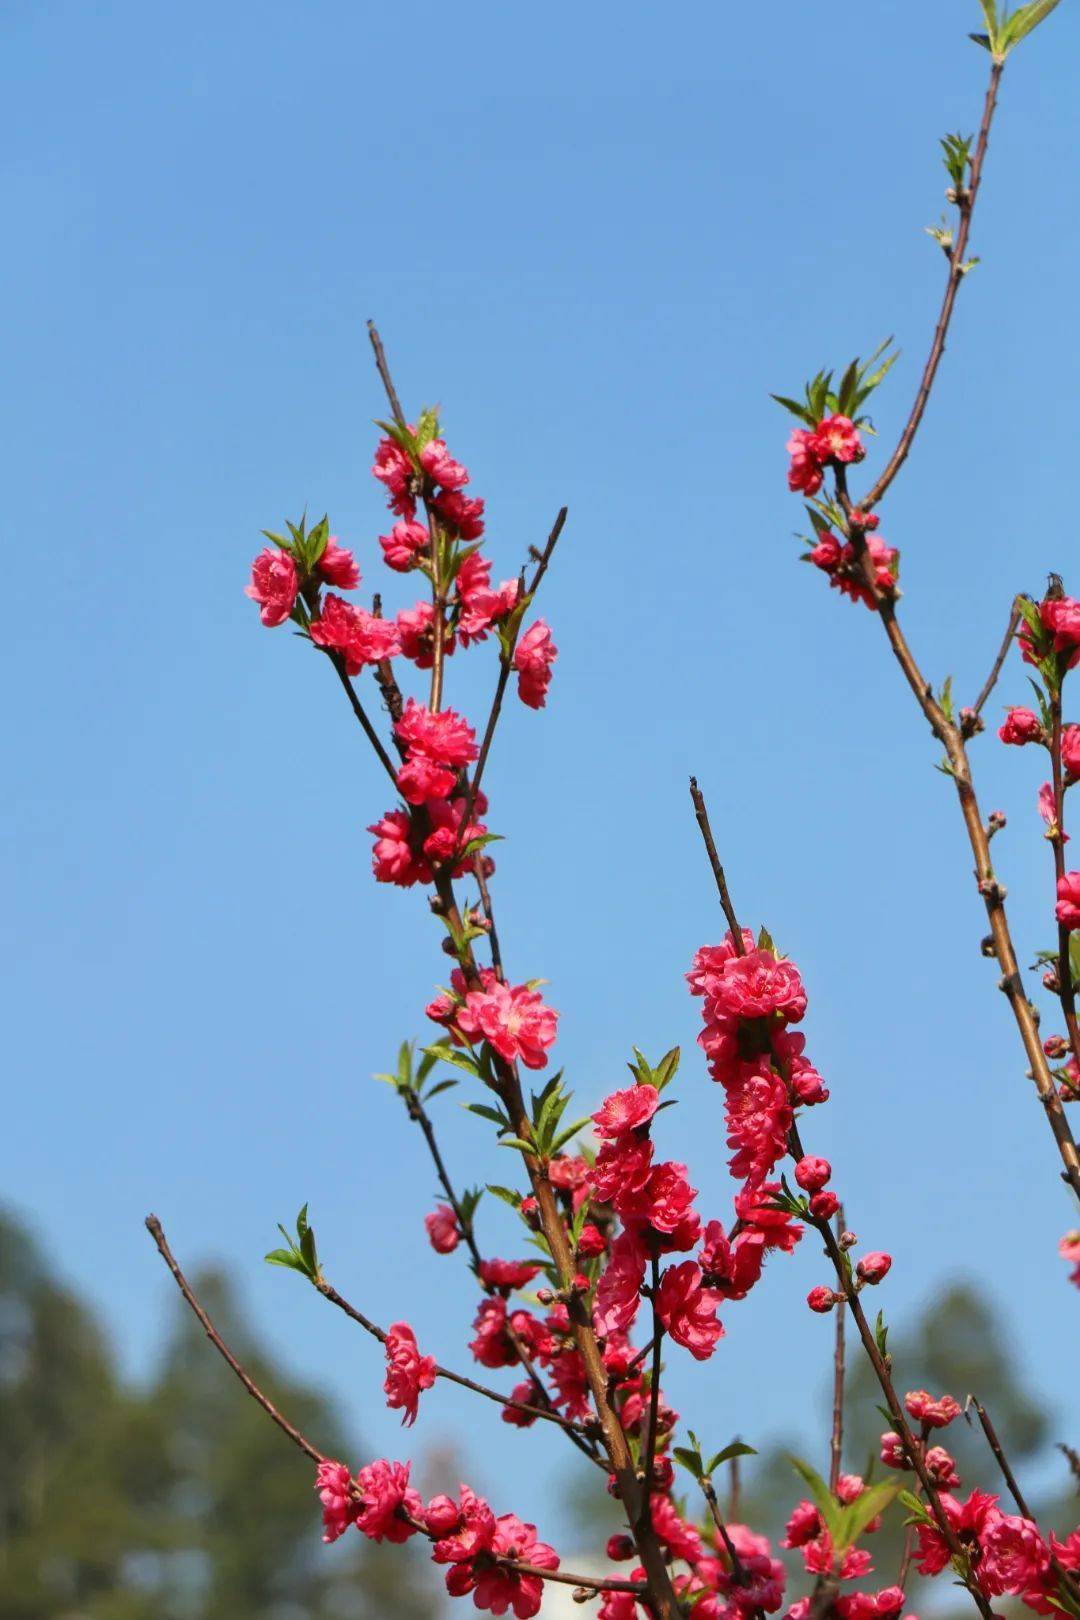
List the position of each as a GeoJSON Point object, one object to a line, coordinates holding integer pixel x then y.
{"type": "Point", "coordinates": [599, 237]}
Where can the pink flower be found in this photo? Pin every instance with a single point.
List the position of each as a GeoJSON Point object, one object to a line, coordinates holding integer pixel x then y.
{"type": "Point", "coordinates": [506, 1275]}
{"type": "Point", "coordinates": [760, 985]}
{"type": "Point", "coordinates": [442, 735]}
{"type": "Point", "coordinates": [274, 585]}
{"type": "Point", "coordinates": [621, 1173]}
{"type": "Point", "coordinates": [1062, 618]}
{"type": "Point", "coordinates": [442, 1516]}
{"type": "Point", "coordinates": [668, 1197]}
{"type": "Point", "coordinates": [824, 1205]}
{"type": "Point", "coordinates": [837, 439]}
{"type": "Point", "coordinates": [334, 1485]}
{"type": "Point", "coordinates": [892, 1450]}
{"type": "Point", "coordinates": [826, 554]}
{"type": "Point", "coordinates": [416, 635]}
{"type": "Point", "coordinates": [758, 1116]}
{"type": "Point", "coordinates": [731, 1268]}
{"type": "Point", "coordinates": [874, 1266]}
{"type": "Point", "coordinates": [618, 1291]}
{"type": "Point", "coordinates": [804, 1525]}
{"type": "Point", "coordinates": [441, 467]}
{"type": "Point", "coordinates": [626, 1110]}
{"type": "Point", "coordinates": [473, 1531]}
{"type": "Point", "coordinates": [498, 1588]}
{"type": "Point", "coordinates": [968, 1521]}
{"type": "Point", "coordinates": [710, 961]}
{"type": "Point", "coordinates": [682, 1540]}
{"type": "Point", "coordinates": [812, 1173]}
{"type": "Point", "coordinates": [941, 1468]}
{"type": "Point", "coordinates": [394, 469]}
{"type": "Point", "coordinates": [533, 657]}
{"type": "Point", "coordinates": [525, 1395]}
{"type": "Point", "coordinates": [936, 1414]}
{"type": "Point", "coordinates": [777, 1227]}
{"type": "Point", "coordinates": [464, 513]}
{"type": "Point", "coordinates": [394, 859]}
{"type": "Point", "coordinates": [805, 473]}
{"type": "Point", "coordinates": [1020, 726]}
{"type": "Point", "coordinates": [688, 1310]}
{"type": "Point", "coordinates": [407, 1371]}
{"type": "Point", "coordinates": [338, 566]}
{"type": "Point", "coordinates": [387, 1496]}
{"type": "Point", "coordinates": [514, 1020]}
{"type": "Point", "coordinates": [821, 1299]}
{"type": "Point", "coordinates": [1070, 751]}
{"type": "Point", "coordinates": [481, 606]}
{"type": "Point", "coordinates": [1015, 1556]}
{"type": "Point", "coordinates": [1067, 909]}
{"type": "Point", "coordinates": [356, 635]}
{"type": "Point", "coordinates": [1069, 1250]}
{"type": "Point", "coordinates": [404, 545]}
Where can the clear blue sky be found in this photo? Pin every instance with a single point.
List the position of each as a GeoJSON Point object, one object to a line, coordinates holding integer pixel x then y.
{"type": "Point", "coordinates": [599, 236]}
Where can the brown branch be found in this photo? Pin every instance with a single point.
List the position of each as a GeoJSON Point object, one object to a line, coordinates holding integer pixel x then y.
{"type": "Point", "coordinates": [966, 205]}
{"type": "Point", "coordinates": [384, 372]}
{"type": "Point", "coordinates": [654, 1389]}
{"type": "Point", "coordinates": [331, 1293]}
{"type": "Point", "coordinates": [836, 1444]}
{"type": "Point", "coordinates": [154, 1227]}
{"type": "Point", "coordinates": [991, 679]}
{"type": "Point", "coordinates": [506, 664]}
{"type": "Point", "coordinates": [361, 714]}
{"type": "Point", "coordinates": [702, 815]}
{"type": "Point", "coordinates": [738, 1569]}
{"type": "Point", "coordinates": [416, 1111]}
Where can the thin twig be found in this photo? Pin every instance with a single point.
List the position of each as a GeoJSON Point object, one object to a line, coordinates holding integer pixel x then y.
{"type": "Point", "coordinates": [738, 1568]}
{"type": "Point", "coordinates": [702, 815]}
{"type": "Point", "coordinates": [154, 1227]}
{"type": "Point", "coordinates": [991, 679]}
{"type": "Point", "coordinates": [654, 1386]}
{"type": "Point", "coordinates": [331, 1293]}
{"type": "Point", "coordinates": [836, 1445]}
{"type": "Point", "coordinates": [506, 664]}
{"type": "Point", "coordinates": [361, 714]}
{"type": "Point", "coordinates": [966, 205]}
{"type": "Point", "coordinates": [384, 373]}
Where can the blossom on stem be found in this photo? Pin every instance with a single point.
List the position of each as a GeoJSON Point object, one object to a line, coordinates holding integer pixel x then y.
{"type": "Point", "coordinates": [387, 1497]}
{"type": "Point", "coordinates": [443, 1231]}
{"type": "Point", "coordinates": [338, 566]}
{"type": "Point", "coordinates": [1067, 909]}
{"type": "Point", "coordinates": [407, 1371]}
{"type": "Point", "coordinates": [333, 1482]}
{"type": "Point", "coordinates": [513, 1019]}
{"type": "Point", "coordinates": [936, 1414]}
{"type": "Point", "coordinates": [688, 1309]}
{"type": "Point", "coordinates": [533, 657]}
{"type": "Point", "coordinates": [274, 585]}
{"type": "Point", "coordinates": [355, 634]}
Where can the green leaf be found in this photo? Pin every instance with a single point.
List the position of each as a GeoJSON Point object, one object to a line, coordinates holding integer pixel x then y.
{"type": "Point", "coordinates": [568, 1133]}
{"type": "Point", "coordinates": [826, 1502]}
{"type": "Point", "coordinates": [285, 1257]}
{"type": "Point", "coordinates": [736, 1449]}
{"type": "Point", "coordinates": [494, 1114]}
{"type": "Point", "coordinates": [507, 1194]}
{"type": "Point", "coordinates": [691, 1460]}
{"type": "Point", "coordinates": [795, 408]}
{"type": "Point", "coordinates": [445, 1053]}
{"type": "Point", "coordinates": [913, 1505]}
{"type": "Point", "coordinates": [443, 1085]}
{"type": "Point", "coordinates": [857, 1515]}
{"type": "Point", "coordinates": [668, 1067]}
{"type": "Point", "coordinates": [881, 1336]}
{"type": "Point", "coordinates": [520, 1143]}
{"type": "Point", "coordinates": [1021, 23]}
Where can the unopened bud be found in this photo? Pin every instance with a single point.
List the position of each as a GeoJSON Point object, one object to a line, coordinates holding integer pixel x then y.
{"type": "Point", "coordinates": [1055, 1046]}
{"type": "Point", "coordinates": [545, 1296]}
{"type": "Point", "coordinates": [848, 1240]}
{"type": "Point", "coordinates": [987, 946]}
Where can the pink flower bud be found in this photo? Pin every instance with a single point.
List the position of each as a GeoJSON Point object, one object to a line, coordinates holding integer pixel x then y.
{"type": "Point", "coordinates": [620, 1549]}
{"type": "Point", "coordinates": [874, 1266]}
{"type": "Point", "coordinates": [824, 1205]}
{"type": "Point", "coordinates": [812, 1173]}
{"type": "Point", "coordinates": [821, 1299]}
{"type": "Point", "coordinates": [442, 1516]}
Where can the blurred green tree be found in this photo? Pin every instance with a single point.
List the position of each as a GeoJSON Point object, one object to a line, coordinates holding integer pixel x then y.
{"type": "Point", "coordinates": [174, 1502]}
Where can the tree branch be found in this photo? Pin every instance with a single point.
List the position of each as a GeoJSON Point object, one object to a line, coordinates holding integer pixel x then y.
{"type": "Point", "coordinates": [154, 1227]}
{"type": "Point", "coordinates": [966, 204]}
